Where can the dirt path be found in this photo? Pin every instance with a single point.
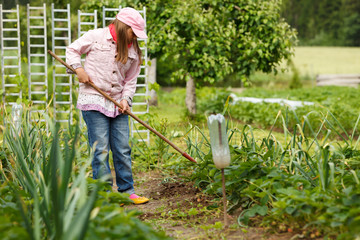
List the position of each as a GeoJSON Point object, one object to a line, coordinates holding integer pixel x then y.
{"type": "Point", "coordinates": [184, 212]}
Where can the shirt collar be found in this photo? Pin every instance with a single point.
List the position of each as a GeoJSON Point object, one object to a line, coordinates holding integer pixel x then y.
{"type": "Point", "coordinates": [108, 34]}
{"type": "Point", "coordinates": [131, 51]}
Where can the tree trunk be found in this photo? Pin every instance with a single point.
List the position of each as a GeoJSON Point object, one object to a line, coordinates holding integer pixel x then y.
{"type": "Point", "coordinates": [153, 101]}
{"type": "Point", "coordinates": [190, 96]}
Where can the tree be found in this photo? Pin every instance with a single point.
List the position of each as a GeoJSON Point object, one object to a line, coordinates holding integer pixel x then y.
{"type": "Point", "coordinates": [324, 22]}
{"type": "Point", "coordinates": [351, 22]}
{"type": "Point", "coordinates": [187, 31]}
{"type": "Point", "coordinates": [207, 39]}
{"type": "Point", "coordinates": [301, 15]}
{"type": "Point", "coordinates": [211, 39]}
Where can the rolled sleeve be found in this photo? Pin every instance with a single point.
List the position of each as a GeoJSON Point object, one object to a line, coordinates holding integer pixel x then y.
{"type": "Point", "coordinates": [128, 99]}
{"type": "Point", "coordinates": [74, 66]}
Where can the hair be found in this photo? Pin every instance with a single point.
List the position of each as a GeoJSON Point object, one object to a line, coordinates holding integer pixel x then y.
{"type": "Point", "coordinates": [122, 44]}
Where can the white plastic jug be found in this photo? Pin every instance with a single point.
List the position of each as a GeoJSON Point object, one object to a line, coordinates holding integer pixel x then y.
{"type": "Point", "coordinates": [219, 142]}
{"type": "Point", "coordinates": [16, 112]}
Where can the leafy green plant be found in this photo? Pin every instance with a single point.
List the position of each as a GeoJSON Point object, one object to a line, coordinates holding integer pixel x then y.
{"type": "Point", "coordinates": [58, 211]}
{"type": "Point", "coordinates": [295, 180]}
{"type": "Point", "coordinates": [48, 192]}
{"type": "Point", "coordinates": [339, 101]}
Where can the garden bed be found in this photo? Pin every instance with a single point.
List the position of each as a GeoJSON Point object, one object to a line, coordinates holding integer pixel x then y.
{"type": "Point", "coordinates": [185, 212]}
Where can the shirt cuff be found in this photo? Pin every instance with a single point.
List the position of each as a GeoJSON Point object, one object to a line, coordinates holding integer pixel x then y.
{"type": "Point", "coordinates": [128, 99]}
{"type": "Point", "coordinates": [74, 66]}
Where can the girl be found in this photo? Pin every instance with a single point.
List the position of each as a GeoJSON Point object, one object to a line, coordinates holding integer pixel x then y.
{"type": "Point", "coordinates": [112, 63]}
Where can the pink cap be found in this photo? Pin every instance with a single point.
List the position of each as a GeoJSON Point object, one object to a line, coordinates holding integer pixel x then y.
{"type": "Point", "coordinates": [132, 18]}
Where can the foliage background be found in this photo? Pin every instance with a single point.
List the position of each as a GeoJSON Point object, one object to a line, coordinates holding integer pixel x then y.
{"type": "Point", "coordinates": [324, 22]}
{"type": "Point", "coordinates": [319, 23]}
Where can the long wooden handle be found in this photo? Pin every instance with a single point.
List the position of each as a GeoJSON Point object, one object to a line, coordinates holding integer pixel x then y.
{"type": "Point", "coordinates": [127, 112]}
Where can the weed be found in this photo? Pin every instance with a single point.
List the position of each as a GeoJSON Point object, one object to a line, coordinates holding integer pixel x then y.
{"type": "Point", "coordinates": [156, 155]}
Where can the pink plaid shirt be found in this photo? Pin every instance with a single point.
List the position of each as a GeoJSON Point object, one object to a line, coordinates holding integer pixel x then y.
{"type": "Point", "coordinates": [116, 79]}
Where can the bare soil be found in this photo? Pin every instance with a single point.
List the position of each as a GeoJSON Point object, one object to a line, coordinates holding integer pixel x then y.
{"type": "Point", "coordinates": [184, 212]}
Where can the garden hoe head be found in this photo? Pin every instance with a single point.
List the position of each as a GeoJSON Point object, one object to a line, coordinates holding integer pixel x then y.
{"type": "Point", "coordinates": [127, 112]}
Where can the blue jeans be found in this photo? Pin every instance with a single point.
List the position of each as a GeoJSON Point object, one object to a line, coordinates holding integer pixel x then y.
{"type": "Point", "coordinates": [105, 133]}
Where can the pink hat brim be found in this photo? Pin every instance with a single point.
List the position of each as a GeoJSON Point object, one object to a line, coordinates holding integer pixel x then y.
{"type": "Point", "coordinates": [139, 33]}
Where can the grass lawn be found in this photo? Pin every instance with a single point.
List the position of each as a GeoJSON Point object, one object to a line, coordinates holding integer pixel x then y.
{"type": "Point", "coordinates": [327, 60]}
{"type": "Point", "coordinates": [309, 62]}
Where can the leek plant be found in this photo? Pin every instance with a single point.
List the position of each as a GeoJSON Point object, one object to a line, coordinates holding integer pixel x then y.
{"type": "Point", "coordinates": [57, 202]}
{"type": "Point", "coordinates": [46, 191]}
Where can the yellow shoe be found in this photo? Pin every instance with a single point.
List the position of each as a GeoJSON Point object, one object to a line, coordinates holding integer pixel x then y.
{"type": "Point", "coordinates": [138, 200]}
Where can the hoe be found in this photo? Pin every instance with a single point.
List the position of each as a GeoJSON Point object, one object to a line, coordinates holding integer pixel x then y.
{"type": "Point", "coordinates": [127, 112]}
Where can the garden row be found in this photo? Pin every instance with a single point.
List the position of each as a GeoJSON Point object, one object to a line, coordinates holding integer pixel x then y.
{"type": "Point", "coordinates": [308, 186]}
{"type": "Point", "coordinates": [340, 102]}
{"type": "Point", "coordinates": [307, 181]}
